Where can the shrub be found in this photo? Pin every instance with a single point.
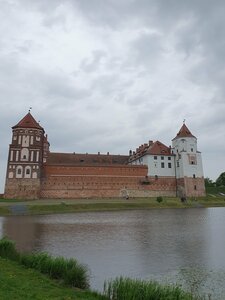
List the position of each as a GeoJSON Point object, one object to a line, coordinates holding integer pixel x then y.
{"type": "Point", "coordinates": [159, 199]}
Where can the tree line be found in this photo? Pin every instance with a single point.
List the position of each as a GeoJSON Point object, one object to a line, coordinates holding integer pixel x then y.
{"type": "Point", "coordinates": [220, 181]}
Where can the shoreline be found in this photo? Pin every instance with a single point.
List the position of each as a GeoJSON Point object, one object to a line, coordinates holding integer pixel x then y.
{"type": "Point", "coordinates": [61, 206]}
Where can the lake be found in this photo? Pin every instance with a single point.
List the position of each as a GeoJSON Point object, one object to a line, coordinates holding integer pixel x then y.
{"type": "Point", "coordinates": [184, 245]}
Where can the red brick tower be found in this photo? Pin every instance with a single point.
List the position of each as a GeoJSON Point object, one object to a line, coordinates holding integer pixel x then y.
{"type": "Point", "coordinates": [26, 154]}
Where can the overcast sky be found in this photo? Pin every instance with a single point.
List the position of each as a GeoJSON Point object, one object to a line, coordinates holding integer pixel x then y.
{"type": "Point", "coordinates": [109, 75]}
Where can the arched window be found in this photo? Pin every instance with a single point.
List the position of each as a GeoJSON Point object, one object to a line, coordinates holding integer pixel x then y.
{"type": "Point", "coordinates": [24, 154]}
{"type": "Point", "coordinates": [27, 172]}
{"type": "Point", "coordinates": [19, 172]}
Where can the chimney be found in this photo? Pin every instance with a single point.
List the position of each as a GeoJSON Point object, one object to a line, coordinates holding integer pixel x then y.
{"type": "Point", "coordinates": [150, 142]}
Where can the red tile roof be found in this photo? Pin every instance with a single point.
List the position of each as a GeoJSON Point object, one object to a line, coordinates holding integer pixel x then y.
{"type": "Point", "coordinates": [153, 148]}
{"type": "Point", "coordinates": [28, 122]}
{"type": "Point", "coordinates": [159, 148]}
{"type": "Point", "coordinates": [184, 132]}
{"type": "Point", "coordinates": [77, 159]}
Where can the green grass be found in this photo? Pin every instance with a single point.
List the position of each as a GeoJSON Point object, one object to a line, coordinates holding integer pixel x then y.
{"type": "Point", "coordinates": [4, 211]}
{"type": "Point", "coordinates": [51, 206]}
{"type": "Point", "coordinates": [215, 190]}
{"type": "Point", "coordinates": [11, 200]}
{"type": "Point", "coordinates": [69, 271]}
{"type": "Point", "coordinates": [20, 283]}
{"type": "Point", "coordinates": [21, 278]}
{"type": "Point", "coordinates": [133, 289]}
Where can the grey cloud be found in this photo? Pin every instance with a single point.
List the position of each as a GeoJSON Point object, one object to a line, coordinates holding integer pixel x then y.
{"type": "Point", "coordinates": [147, 49]}
{"type": "Point", "coordinates": [92, 64]}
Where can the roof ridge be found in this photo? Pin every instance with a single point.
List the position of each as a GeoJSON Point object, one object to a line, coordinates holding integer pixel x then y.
{"type": "Point", "coordinates": [28, 121]}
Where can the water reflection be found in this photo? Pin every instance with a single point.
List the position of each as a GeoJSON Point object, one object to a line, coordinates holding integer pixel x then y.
{"type": "Point", "coordinates": [131, 243]}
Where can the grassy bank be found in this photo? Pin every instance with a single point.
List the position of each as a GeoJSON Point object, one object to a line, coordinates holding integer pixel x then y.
{"type": "Point", "coordinates": [20, 283]}
{"type": "Point", "coordinates": [40, 276]}
{"type": "Point", "coordinates": [69, 271]}
{"type": "Point", "coordinates": [49, 206]}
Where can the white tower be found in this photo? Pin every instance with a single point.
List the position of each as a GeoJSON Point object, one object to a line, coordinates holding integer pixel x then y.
{"type": "Point", "coordinates": [188, 164]}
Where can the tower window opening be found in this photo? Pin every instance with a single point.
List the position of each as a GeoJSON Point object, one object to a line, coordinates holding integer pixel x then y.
{"type": "Point", "coordinates": [19, 171]}
{"type": "Point", "coordinates": [27, 171]}
{"type": "Point", "coordinates": [194, 176]}
{"type": "Point", "coordinates": [195, 187]}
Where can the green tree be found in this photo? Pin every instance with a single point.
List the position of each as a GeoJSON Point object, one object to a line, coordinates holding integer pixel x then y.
{"type": "Point", "coordinates": [209, 182]}
{"type": "Point", "coordinates": [220, 181]}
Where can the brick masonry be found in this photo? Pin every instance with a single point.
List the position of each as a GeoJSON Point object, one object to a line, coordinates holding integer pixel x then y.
{"type": "Point", "coordinates": [104, 181]}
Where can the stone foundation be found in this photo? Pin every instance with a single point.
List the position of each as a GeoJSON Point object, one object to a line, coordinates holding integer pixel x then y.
{"type": "Point", "coordinates": [22, 189]}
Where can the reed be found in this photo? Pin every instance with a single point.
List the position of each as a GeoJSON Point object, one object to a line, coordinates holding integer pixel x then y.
{"type": "Point", "coordinates": [8, 249]}
{"type": "Point", "coordinates": [68, 270]}
{"type": "Point", "coordinates": [133, 289]}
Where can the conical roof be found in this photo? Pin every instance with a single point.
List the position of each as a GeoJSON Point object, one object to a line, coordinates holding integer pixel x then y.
{"type": "Point", "coordinates": [28, 122]}
{"type": "Point", "coordinates": [184, 132]}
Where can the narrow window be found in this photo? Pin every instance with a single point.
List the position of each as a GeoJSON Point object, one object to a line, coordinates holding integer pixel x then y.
{"type": "Point", "coordinates": [193, 175]}
{"type": "Point", "coordinates": [162, 165]}
{"type": "Point", "coordinates": [178, 164]}
{"type": "Point", "coordinates": [169, 165]}
{"type": "Point", "coordinates": [19, 171]}
{"type": "Point", "coordinates": [155, 157]}
{"type": "Point", "coordinates": [162, 157]}
{"type": "Point", "coordinates": [195, 187]}
{"type": "Point", "coordinates": [27, 171]}
{"type": "Point", "coordinates": [169, 158]}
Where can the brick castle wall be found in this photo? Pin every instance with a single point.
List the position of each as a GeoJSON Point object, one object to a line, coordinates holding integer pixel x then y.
{"type": "Point", "coordinates": [104, 181]}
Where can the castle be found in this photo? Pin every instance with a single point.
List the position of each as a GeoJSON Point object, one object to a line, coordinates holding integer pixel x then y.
{"type": "Point", "coordinates": [154, 169]}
